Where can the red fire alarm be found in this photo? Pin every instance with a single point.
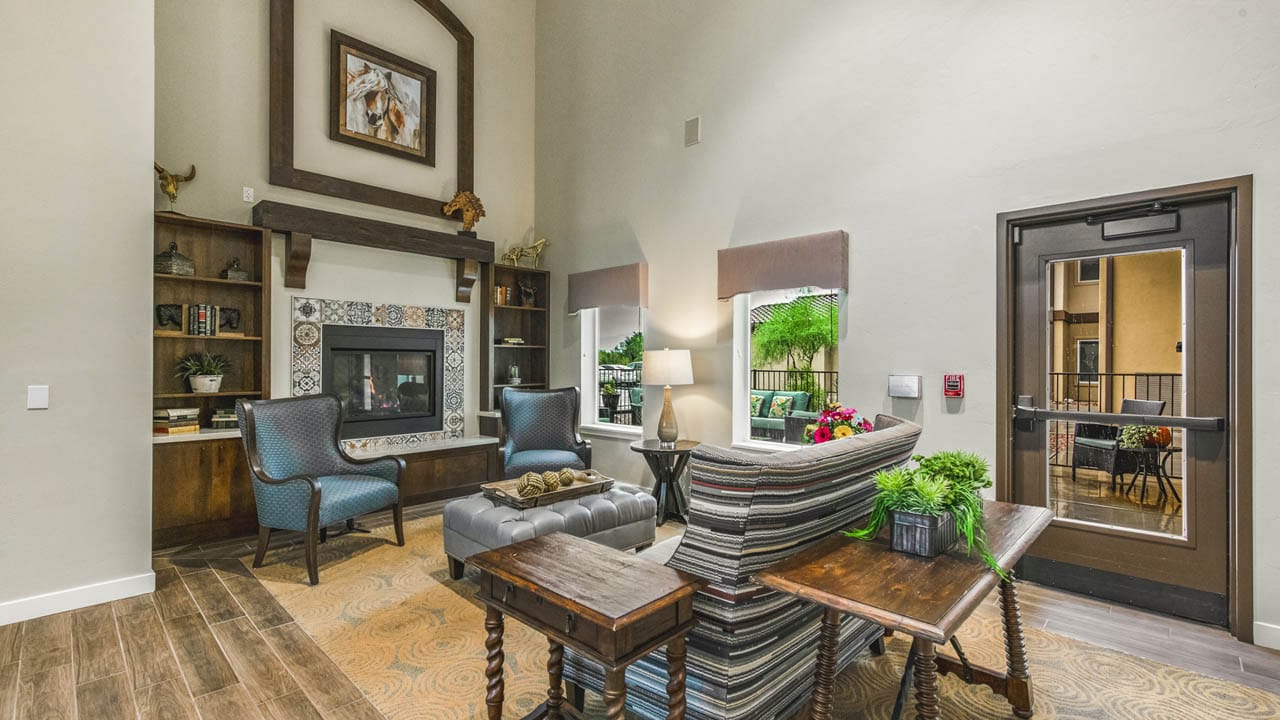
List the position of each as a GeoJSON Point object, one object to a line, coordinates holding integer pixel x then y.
{"type": "Point", "coordinates": [953, 386]}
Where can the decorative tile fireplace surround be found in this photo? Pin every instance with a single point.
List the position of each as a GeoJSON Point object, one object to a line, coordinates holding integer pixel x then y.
{"type": "Point", "coordinates": [310, 315]}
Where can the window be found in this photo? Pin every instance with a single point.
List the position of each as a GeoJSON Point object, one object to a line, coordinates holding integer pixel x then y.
{"type": "Point", "coordinates": [1088, 271]}
{"type": "Point", "coordinates": [612, 350]}
{"type": "Point", "coordinates": [1087, 361]}
{"type": "Point", "coordinates": [787, 362]}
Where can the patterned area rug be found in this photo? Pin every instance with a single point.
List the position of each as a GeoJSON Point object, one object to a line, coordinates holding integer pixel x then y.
{"type": "Point", "coordinates": [413, 641]}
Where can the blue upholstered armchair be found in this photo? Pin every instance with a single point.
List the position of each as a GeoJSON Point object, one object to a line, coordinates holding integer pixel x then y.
{"type": "Point", "coordinates": [541, 427]}
{"type": "Point", "coordinates": [302, 479]}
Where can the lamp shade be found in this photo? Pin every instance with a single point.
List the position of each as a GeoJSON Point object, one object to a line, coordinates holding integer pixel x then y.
{"type": "Point", "coordinates": [667, 367]}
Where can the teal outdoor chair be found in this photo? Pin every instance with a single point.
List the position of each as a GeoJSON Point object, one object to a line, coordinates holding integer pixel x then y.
{"type": "Point", "coordinates": [541, 427]}
{"type": "Point", "coordinates": [302, 479]}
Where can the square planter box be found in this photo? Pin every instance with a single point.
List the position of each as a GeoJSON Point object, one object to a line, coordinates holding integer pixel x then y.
{"type": "Point", "coordinates": [923, 535]}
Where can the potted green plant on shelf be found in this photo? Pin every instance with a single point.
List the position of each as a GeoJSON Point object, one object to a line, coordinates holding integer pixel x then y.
{"type": "Point", "coordinates": [204, 371]}
{"type": "Point", "coordinates": [930, 506]}
{"type": "Point", "coordinates": [609, 395]}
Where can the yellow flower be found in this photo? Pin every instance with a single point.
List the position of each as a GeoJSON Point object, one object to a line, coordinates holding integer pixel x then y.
{"type": "Point", "coordinates": [843, 431]}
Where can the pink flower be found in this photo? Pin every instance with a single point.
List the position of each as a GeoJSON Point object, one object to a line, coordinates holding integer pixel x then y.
{"type": "Point", "coordinates": [866, 425]}
{"type": "Point", "coordinates": [822, 434]}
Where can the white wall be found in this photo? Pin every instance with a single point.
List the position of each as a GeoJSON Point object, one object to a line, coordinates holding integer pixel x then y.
{"type": "Point", "coordinates": [911, 125]}
{"type": "Point", "coordinates": [75, 292]}
{"type": "Point", "coordinates": [212, 100]}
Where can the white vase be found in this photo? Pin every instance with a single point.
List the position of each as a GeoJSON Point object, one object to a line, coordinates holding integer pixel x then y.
{"type": "Point", "coordinates": [205, 383]}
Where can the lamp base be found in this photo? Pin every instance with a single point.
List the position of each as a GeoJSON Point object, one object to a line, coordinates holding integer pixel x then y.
{"type": "Point", "coordinates": [668, 430]}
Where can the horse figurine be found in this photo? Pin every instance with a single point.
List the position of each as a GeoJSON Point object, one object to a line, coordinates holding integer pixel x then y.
{"type": "Point", "coordinates": [470, 205]}
{"type": "Point", "coordinates": [169, 182]}
{"type": "Point", "coordinates": [512, 257]}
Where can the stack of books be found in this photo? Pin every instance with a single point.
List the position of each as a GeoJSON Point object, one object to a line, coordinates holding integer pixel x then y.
{"type": "Point", "coordinates": [224, 419]}
{"type": "Point", "coordinates": [176, 421]}
{"type": "Point", "coordinates": [202, 319]}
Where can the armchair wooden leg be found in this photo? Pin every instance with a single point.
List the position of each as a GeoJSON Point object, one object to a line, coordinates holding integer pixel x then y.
{"type": "Point", "coordinates": [576, 695]}
{"type": "Point", "coordinates": [264, 539]}
{"type": "Point", "coordinates": [324, 534]}
{"type": "Point", "coordinates": [397, 517]}
{"type": "Point", "coordinates": [314, 532]}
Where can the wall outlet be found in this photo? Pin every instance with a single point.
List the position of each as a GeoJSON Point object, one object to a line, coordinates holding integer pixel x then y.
{"type": "Point", "coordinates": [37, 397]}
{"type": "Point", "coordinates": [247, 193]}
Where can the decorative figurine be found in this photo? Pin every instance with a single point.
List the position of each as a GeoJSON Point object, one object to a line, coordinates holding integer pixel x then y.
{"type": "Point", "coordinates": [513, 374]}
{"type": "Point", "coordinates": [169, 314]}
{"type": "Point", "coordinates": [169, 182]}
{"type": "Point", "coordinates": [228, 319]}
{"type": "Point", "coordinates": [471, 207]}
{"type": "Point", "coordinates": [172, 262]}
{"type": "Point", "coordinates": [512, 256]}
{"type": "Point", "coordinates": [233, 271]}
{"type": "Point", "coordinates": [528, 295]}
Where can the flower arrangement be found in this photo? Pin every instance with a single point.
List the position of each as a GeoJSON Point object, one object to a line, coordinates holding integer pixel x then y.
{"type": "Point", "coordinates": [835, 423]}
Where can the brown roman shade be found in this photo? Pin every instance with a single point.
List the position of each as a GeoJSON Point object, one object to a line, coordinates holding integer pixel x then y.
{"type": "Point", "coordinates": [819, 260]}
{"type": "Point", "coordinates": [621, 285]}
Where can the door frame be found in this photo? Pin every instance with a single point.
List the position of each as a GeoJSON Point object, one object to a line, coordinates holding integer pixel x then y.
{"type": "Point", "coordinates": [1239, 191]}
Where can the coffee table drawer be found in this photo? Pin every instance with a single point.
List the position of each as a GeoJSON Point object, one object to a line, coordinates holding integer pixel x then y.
{"type": "Point", "coordinates": [521, 601]}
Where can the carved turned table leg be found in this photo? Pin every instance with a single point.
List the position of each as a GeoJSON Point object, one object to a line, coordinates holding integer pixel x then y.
{"type": "Point", "coordinates": [926, 674]}
{"type": "Point", "coordinates": [615, 693]}
{"type": "Point", "coordinates": [555, 669]}
{"type": "Point", "coordinates": [1019, 685]}
{"type": "Point", "coordinates": [825, 677]}
{"type": "Point", "coordinates": [493, 671]}
{"type": "Point", "coordinates": [676, 677]}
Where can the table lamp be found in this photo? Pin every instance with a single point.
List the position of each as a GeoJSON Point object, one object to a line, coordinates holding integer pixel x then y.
{"type": "Point", "coordinates": [667, 367]}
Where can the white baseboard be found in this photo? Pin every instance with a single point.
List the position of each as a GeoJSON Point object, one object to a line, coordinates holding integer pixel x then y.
{"type": "Point", "coordinates": [1266, 634]}
{"type": "Point", "coordinates": [77, 597]}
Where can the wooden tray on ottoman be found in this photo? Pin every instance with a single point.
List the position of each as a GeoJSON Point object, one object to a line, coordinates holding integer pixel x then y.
{"type": "Point", "coordinates": [504, 491]}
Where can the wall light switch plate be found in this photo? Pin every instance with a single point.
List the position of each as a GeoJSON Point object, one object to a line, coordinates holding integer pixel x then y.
{"type": "Point", "coordinates": [247, 193]}
{"type": "Point", "coordinates": [904, 386]}
{"type": "Point", "coordinates": [693, 131]}
{"type": "Point", "coordinates": [37, 397]}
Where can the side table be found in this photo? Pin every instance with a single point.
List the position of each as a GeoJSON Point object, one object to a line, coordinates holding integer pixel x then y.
{"type": "Point", "coordinates": [607, 605]}
{"type": "Point", "coordinates": [667, 465]}
{"type": "Point", "coordinates": [926, 598]}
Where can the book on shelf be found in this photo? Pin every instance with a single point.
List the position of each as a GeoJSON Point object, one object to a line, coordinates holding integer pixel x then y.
{"type": "Point", "coordinates": [173, 413]}
{"type": "Point", "coordinates": [187, 430]}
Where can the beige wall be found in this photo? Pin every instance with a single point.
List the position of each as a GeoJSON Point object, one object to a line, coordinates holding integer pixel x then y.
{"type": "Point", "coordinates": [910, 125]}
{"type": "Point", "coordinates": [75, 291]}
{"type": "Point", "coordinates": [211, 95]}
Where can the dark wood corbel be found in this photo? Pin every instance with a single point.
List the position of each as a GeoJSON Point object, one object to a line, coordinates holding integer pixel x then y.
{"type": "Point", "coordinates": [297, 256]}
{"type": "Point", "coordinates": [466, 274]}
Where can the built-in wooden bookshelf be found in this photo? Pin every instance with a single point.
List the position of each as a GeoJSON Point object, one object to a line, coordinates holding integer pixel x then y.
{"type": "Point", "coordinates": [512, 319]}
{"type": "Point", "coordinates": [200, 482]}
{"type": "Point", "coordinates": [212, 245]}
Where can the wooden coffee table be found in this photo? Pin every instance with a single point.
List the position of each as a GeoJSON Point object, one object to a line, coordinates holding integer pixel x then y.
{"type": "Point", "coordinates": [927, 598]}
{"type": "Point", "coordinates": [610, 606]}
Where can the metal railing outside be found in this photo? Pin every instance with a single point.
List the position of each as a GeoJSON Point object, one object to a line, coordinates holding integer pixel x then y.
{"type": "Point", "coordinates": [1103, 392]}
{"type": "Point", "coordinates": [623, 379]}
{"type": "Point", "coordinates": [828, 380]}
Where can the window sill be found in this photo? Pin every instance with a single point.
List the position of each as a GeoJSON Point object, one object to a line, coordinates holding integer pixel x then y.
{"type": "Point", "coordinates": [761, 446]}
{"type": "Point", "coordinates": [619, 432]}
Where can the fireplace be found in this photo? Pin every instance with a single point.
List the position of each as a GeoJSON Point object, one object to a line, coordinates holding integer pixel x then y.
{"type": "Point", "coordinates": [390, 381]}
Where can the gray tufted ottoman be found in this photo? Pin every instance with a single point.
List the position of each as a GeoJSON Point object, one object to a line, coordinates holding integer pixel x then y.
{"type": "Point", "coordinates": [622, 517]}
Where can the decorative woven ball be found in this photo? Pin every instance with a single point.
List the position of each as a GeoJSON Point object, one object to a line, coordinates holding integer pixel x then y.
{"type": "Point", "coordinates": [530, 485]}
{"type": "Point", "coordinates": [567, 476]}
{"type": "Point", "coordinates": [551, 480]}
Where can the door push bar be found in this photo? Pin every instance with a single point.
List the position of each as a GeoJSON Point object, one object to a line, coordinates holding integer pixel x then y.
{"type": "Point", "coordinates": [1030, 415]}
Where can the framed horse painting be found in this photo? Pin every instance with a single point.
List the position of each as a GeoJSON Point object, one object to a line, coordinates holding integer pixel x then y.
{"type": "Point", "coordinates": [381, 101]}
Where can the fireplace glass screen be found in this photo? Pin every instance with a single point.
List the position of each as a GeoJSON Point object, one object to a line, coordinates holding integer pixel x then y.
{"type": "Point", "coordinates": [383, 383]}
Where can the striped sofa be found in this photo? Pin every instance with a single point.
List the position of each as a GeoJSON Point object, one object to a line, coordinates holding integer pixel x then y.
{"type": "Point", "coordinates": [752, 653]}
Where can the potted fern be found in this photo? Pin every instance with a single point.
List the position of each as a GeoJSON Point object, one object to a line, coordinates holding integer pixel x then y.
{"type": "Point", "coordinates": [929, 507]}
{"type": "Point", "coordinates": [204, 371]}
{"type": "Point", "coordinates": [609, 393]}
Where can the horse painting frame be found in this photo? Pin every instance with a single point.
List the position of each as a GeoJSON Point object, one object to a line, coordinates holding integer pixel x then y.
{"type": "Point", "coordinates": [283, 173]}
{"type": "Point", "coordinates": [383, 122]}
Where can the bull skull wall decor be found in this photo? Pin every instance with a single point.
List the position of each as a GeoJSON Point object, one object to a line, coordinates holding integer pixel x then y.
{"type": "Point", "coordinates": [169, 182]}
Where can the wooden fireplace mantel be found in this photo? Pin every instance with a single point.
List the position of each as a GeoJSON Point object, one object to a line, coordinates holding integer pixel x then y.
{"type": "Point", "coordinates": [300, 224]}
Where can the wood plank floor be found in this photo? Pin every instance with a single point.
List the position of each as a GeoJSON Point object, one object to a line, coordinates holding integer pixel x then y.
{"type": "Point", "coordinates": [212, 644]}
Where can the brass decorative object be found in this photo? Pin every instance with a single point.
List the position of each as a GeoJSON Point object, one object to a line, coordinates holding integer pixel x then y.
{"type": "Point", "coordinates": [513, 256]}
{"type": "Point", "coordinates": [172, 262]}
{"type": "Point", "coordinates": [169, 182]}
{"type": "Point", "coordinates": [471, 207]}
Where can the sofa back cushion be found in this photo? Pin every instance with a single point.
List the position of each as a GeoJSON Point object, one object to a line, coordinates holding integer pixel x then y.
{"type": "Point", "coordinates": [749, 511]}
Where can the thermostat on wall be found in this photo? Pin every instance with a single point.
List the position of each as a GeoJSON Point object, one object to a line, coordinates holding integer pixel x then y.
{"type": "Point", "coordinates": [904, 386]}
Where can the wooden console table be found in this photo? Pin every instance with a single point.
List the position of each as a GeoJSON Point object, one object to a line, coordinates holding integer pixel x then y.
{"type": "Point", "coordinates": [607, 605]}
{"type": "Point", "coordinates": [927, 598]}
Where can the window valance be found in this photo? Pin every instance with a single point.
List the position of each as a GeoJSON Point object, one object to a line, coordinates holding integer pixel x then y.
{"type": "Point", "coordinates": [620, 285]}
{"type": "Point", "coordinates": [819, 260]}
